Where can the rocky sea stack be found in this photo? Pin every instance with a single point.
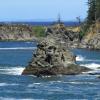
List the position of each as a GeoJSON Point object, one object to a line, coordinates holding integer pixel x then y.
{"type": "Point", "coordinates": [53, 58]}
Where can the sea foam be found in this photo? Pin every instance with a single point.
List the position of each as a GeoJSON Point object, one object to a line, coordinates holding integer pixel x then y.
{"type": "Point", "coordinates": [93, 66]}
{"type": "Point", "coordinates": [6, 84]}
{"type": "Point", "coordinates": [19, 48]}
{"type": "Point", "coordinates": [12, 70]}
{"type": "Point", "coordinates": [80, 58]}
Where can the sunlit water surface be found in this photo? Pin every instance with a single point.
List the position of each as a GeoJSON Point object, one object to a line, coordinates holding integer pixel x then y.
{"type": "Point", "coordinates": [14, 56]}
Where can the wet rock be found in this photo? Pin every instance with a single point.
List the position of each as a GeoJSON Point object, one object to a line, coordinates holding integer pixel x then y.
{"type": "Point", "coordinates": [71, 69]}
{"type": "Point", "coordinates": [52, 58]}
{"type": "Point", "coordinates": [99, 77]}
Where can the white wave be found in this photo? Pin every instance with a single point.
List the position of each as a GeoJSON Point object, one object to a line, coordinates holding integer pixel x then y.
{"type": "Point", "coordinates": [78, 82]}
{"type": "Point", "coordinates": [2, 98]}
{"type": "Point", "coordinates": [94, 72]}
{"type": "Point", "coordinates": [3, 84]}
{"type": "Point", "coordinates": [19, 48]}
{"type": "Point", "coordinates": [93, 66]}
{"type": "Point", "coordinates": [12, 70]}
{"type": "Point", "coordinates": [6, 84]}
{"type": "Point", "coordinates": [80, 58]}
{"type": "Point", "coordinates": [28, 42]}
{"type": "Point", "coordinates": [34, 84]}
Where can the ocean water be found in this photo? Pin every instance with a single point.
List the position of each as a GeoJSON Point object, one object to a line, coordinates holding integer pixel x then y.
{"type": "Point", "coordinates": [67, 23]}
{"type": "Point", "coordinates": [14, 56]}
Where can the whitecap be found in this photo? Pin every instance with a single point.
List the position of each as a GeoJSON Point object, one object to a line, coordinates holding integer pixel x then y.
{"type": "Point", "coordinates": [19, 48]}
{"type": "Point", "coordinates": [12, 70]}
{"type": "Point", "coordinates": [93, 66]}
{"type": "Point", "coordinates": [47, 76]}
{"type": "Point", "coordinates": [80, 58]}
{"type": "Point", "coordinates": [3, 84]}
{"type": "Point", "coordinates": [6, 84]}
{"type": "Point", "coordinates": [2, 98]}
{"type": "Point", "coordinates": [37, 83]}
{"type": "Point", "coordinates": [52, 82]}
{"type": "Point", "coordinates": [80, 83]}
{"type": "Point", "coordinates": [28, 42]}
{"type": "Point", "coordinates": [34, 84]}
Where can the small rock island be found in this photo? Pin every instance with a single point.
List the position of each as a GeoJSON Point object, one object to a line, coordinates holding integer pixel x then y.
{"type": "Point", "coordinates": [52, 56]}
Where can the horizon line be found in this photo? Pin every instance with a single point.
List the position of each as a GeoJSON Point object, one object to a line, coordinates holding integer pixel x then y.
{"type": "Point", "coordinates": [41, 21]}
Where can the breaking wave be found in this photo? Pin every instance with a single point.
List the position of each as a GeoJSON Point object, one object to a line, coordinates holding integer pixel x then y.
{"type": "Point", "coordinates": [6, 84]}
{"type": "Point", "coordinates": [19, 48]}
{"type": "Point", "coordinates": [2, 98]}
{"type": "Point", "coordinates": [80, 58]}
{"type": "Point", "coordinates": [12, 70]}
{"type": "Point", "coordinates": [93, 66]}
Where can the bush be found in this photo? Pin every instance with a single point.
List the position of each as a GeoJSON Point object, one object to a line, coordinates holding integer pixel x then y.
{"type": "Point", "coordinates": [39, 31]}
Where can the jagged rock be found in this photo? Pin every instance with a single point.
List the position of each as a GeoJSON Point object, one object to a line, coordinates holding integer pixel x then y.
{"type": "Point", "coordinates": [53, 58]}
{"type": "Point", "coordinates": [69, 38]}
{"type": "Point", "coordinates": [92, 43]}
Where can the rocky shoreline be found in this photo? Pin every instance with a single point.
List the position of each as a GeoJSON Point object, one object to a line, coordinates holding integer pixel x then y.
{"type": "Point", "coordinates": [16, 32]}
{"type": "Point", "coordinates": [52, 56]}
{"type": "Point", "coordinates": [69, 38]}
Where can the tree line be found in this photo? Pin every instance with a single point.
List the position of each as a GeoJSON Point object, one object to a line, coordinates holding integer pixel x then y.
{"type": "Point", "coordinates": [93, 11]}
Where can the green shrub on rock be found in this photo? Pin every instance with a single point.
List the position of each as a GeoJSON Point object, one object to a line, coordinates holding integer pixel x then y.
{"type": "Point", "coordinates": [39, 31]}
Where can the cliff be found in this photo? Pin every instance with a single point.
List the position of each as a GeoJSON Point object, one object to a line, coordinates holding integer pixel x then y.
{"type": "Point", "coordinates": [18, 32]}
{"type": "Point", "coordinates": [92, 38]}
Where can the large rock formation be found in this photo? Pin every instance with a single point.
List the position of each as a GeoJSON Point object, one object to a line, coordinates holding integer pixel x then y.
{"type": "Point", "coordinates": [53, 58]}
{"type": "Point", "coordinates": [61, 33]}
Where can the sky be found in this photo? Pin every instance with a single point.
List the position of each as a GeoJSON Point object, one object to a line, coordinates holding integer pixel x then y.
{"type": "Point", "coordinates": [42, 10]}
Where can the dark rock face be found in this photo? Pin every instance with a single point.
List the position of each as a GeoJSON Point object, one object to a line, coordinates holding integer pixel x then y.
{"type": "Point", "coordinates": [53, 58]}
{"type": "Point", "coordinates": [99, 77]}
{"type": "Point", "coordinates": [71, 69]}
{"type": "Point", "coordinates": [68, 38]}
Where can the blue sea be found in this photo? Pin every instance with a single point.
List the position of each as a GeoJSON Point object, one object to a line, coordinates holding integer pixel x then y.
{"type": "Point", "coordinates": [66, 23]}
{"type": "Point", "coordinates": [14, 56]}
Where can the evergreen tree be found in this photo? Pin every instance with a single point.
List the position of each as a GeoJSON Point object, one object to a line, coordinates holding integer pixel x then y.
{"type": "Point", "coordinates": [97, 9]}
{"type": "Point", "coordinates": [91, 12]}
